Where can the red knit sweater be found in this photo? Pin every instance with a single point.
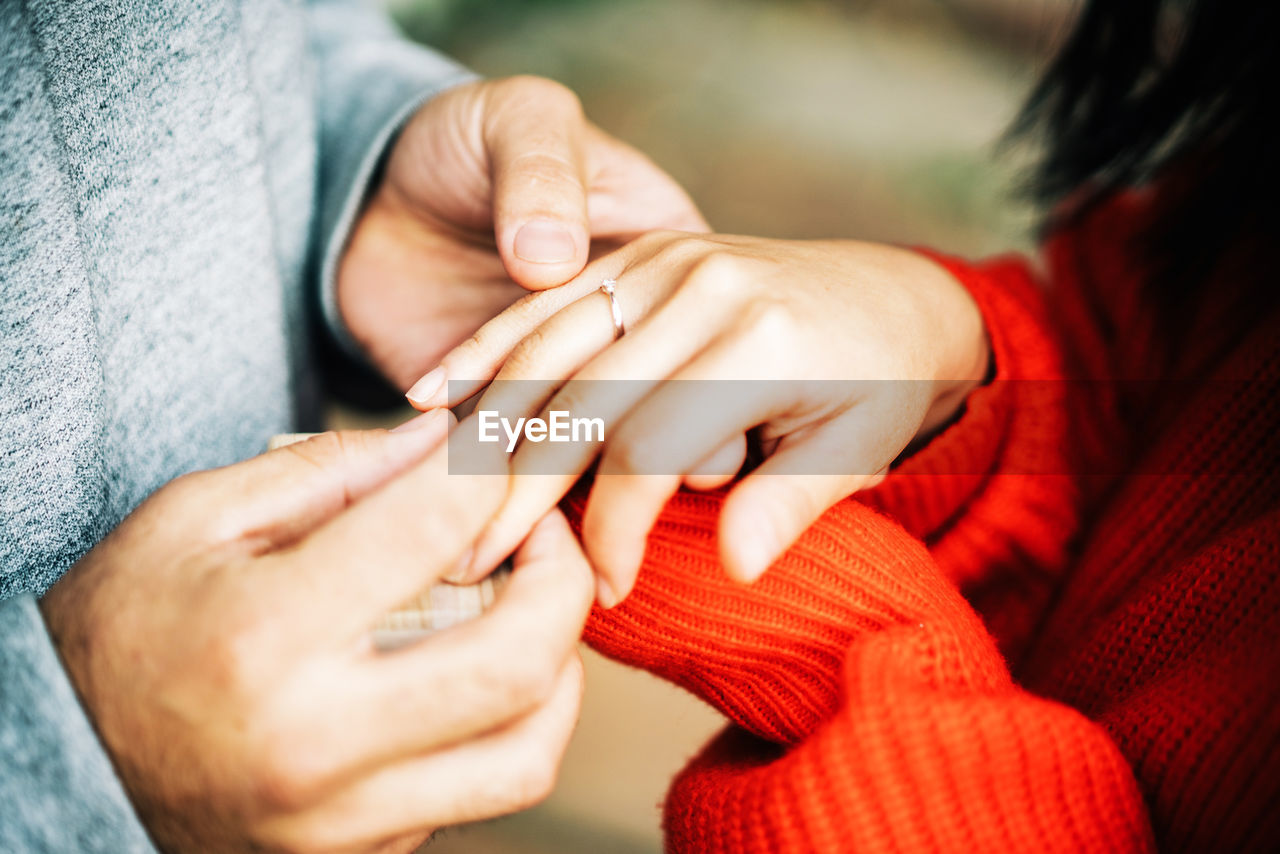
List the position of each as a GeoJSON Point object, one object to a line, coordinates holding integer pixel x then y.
{"type": "Point", "coordinates": [1052, 629]}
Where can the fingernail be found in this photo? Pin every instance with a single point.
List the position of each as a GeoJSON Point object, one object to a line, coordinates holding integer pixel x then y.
{"type": "Point", "coordinates": [545, 242]}
{"type": "Point", "coordinates": [436, 418]}
{"type": "Point", "coordinates": [605, 595]}
{"type": "Point", "coordinates": [425, 390]}
{"type": "Point", "coordinates": [461, 572]}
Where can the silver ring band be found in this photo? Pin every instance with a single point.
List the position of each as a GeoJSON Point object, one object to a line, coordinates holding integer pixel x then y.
{"type": "Point", "coordinates": [608, 287]}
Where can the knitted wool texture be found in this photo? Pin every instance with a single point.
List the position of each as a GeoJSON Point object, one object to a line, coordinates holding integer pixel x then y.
{"type": "Point", "coordinates": [1052, 629]}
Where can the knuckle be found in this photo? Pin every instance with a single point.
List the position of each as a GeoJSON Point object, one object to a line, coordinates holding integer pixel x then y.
{"type": "Point", "coordinates": [534, 765]}
{"type": "Point", "coordinates": [543, 92]}
{"type": "Point", "coordinates": [526, 355]}
{"type": "Point", "coordinates": [534, 778]}
{"type": "Point", "coordinates": [681, 247]}
{"type": "Point", "coordinates": [175, 498]}
{"type": "Point", "coordinates": [574, 396]}
{"type": "Point", "coordinates": [534, 681]}
{"type": "Point", "coordinates": [631, 454]}
{"type": "Point", "coordinates": [517, 687]}
{"type": "Point", "coordinates": [494, 336]}
{"type": "Point", "coordinates": [717, 274]}
{"type": "Point", "coordinates": [623, 457]}
{"type": "Point", "coordinates": [718, 264]}
{"type": "Point", "coordinates": [306, 838]}
{"type": "Point", "coordinates": [476, 343]}
{"type": "Point", "coordinates": [232, 660]}
{"type": "Point", "coordinates": [656, 240]}
{"type": "Point", "coordinates": [526, 314]}
{"type": "Point", "coordinates": [322, 452]}
{"type": "Point", "coordinates": [669, 237]}
{"type": "Point", "coordinates": [583, 398]}
{"type": "Point", "coordinates": [324, 447]}
{"type": "Point", "coordinates": [769, 318]}
{"type": "Point", "coordinates": [539, 167]}
{"type": "Point", "coordinates": [287, 778]}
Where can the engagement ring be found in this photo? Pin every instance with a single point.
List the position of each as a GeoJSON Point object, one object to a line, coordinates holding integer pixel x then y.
{"type": "Point", "coordinates": [608, 286]}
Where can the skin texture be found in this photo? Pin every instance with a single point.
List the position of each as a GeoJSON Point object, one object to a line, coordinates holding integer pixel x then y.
{"type": "Point", "coordinates": [442, 246]}
{"type": "Point", "coordinates": [217, 637]}
{"type": "Point", "coordinates": [701, 307]}
{"type": "Point", "coordinates": [218, 640]}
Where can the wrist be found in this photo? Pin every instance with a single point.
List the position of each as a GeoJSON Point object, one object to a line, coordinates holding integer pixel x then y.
{"type": "Point", "coordinates": [951, 393]}
{"type": "Point", "coordinates": [965, 362]}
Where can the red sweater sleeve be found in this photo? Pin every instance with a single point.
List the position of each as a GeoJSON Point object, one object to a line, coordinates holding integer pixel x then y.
{"type": "Point", "coordinates": [899, 725]}
{"type": "Point", "coordinates": [996, 496]}
{"type": "Point", "coordinates": [878, 711]}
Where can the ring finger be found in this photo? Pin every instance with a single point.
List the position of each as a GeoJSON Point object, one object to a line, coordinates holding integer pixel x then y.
{"type": "Point", "coordinates": [576, 334]}
{"type": "Point", "coordinates": [607, 387]}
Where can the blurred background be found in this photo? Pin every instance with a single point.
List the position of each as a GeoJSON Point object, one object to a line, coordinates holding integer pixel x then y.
{"type": "Point", "coordinates": [875, 119]}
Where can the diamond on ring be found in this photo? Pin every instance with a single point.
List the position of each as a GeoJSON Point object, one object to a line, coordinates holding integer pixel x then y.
{"type": "Point", "coordinates": [609, 287]}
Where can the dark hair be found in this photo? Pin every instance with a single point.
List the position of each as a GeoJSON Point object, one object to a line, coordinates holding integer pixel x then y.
{"type": "Point", "coordinates": [1174, 92]}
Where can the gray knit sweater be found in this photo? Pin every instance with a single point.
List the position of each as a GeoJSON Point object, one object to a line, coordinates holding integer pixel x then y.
{"type": "Point", "coordinates": [176, 179]}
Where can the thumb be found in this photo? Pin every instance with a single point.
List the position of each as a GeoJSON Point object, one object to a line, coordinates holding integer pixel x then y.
{"type": "Point", "coordinates": [281, 495]}
{"type": "Point", "coordinates": [533, 133]}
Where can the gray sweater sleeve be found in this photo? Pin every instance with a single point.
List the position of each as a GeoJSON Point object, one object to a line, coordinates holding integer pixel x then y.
{"type": "Point", "coordinates": [370, 81]}
{"type": "Point", "coordinates": [58, 791]}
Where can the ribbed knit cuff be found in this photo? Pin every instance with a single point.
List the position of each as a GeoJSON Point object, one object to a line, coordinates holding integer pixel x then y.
{"type": "Point", "coordinates": [768, 654]}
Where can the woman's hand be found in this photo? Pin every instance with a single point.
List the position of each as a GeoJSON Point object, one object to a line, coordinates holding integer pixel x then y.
{"type": "Point", "coordinates": [851, 351]}
{"type": "Point", "coordinates": [219, 641]}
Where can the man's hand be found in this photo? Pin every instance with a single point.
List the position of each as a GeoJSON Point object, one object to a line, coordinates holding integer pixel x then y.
{"type": "Point", "coordinates": [218, 639]}
{"type": "Point", "coordinates": [492, 188]}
